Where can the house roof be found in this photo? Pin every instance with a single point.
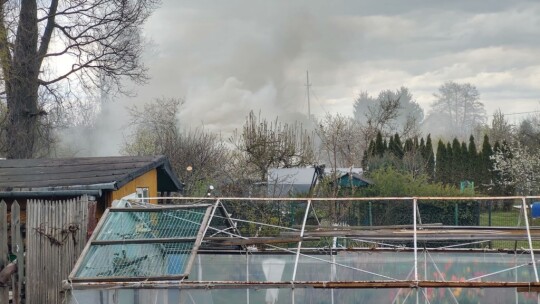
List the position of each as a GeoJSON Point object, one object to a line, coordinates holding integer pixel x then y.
{"type": "Point", "coordinates": [357, 176]}
{"type": "Point", "coordinates": [86, 173]}
{"type": "Point", "coordinates": [289, 181]}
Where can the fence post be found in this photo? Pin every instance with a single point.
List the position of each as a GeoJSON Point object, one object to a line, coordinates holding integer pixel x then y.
{"type": "Point", "coordinates": [4, 260]}
{"type": "Point", "coordinates": [456, 214]}
{"type": "Point", "coordinates": [490, 207]}
{"type": "Point", "coordinates": [489, 212]}
{"type": "Point", "coordinates": [370, 215]}
{"type": "Point", "coordinates": [17, 248]}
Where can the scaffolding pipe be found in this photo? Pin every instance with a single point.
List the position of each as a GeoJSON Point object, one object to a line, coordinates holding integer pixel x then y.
{"type": "Point", "coordinates": [415, 241]}
{"type": "Point", "coordinates": [300, 243]}
{"type": "Point", "coordinates": [524, 208]}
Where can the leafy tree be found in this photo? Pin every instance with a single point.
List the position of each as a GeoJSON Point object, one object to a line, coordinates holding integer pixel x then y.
{"type": "Point", "coordinates": [518, 167]}
{"type": "Point", "coordinates": [391, 182]}
{"type": "Point", "coordinates": [99, 38]}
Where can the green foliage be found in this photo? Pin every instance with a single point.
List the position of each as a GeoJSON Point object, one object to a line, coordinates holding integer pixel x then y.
{"type": "Point", "coordinates": [429, 157]}
{"type": "Point", "coordinates": [441, 171]}
{"type": "Point", "coordinates": [391, 182]}
{"type": "Point", "coordinates": [485, 170]}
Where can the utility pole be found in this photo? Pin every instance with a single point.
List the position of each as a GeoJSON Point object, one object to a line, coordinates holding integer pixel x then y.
{"type": "Point", "coordinates": [308, 85]}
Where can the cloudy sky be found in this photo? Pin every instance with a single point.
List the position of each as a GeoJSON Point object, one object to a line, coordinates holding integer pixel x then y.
{"type": "Point", "coordinates": [228, 57]}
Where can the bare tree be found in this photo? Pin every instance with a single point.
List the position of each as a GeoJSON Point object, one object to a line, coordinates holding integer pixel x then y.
{"type": "Point", "coordinates": [340, 141]}
{"type": "Point", "coordinates": [198, 157]}
{"type": "Point", "coordinates": [457, 109]}
{"type": "Point", "coordinates": [99, 38]}
{"type": "Point", "coordinates": [391, 112]}
{"type": "Point", "coordinates": [266, 144]}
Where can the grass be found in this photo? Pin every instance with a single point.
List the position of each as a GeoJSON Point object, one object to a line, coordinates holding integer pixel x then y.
{"type": "Point", "coordinates": [508, 219]}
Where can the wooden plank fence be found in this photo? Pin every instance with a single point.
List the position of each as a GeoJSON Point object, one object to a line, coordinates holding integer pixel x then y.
{"type": "Point", "coordinates": [56, 232]}
{"type": "Point", "coordinates": [17, 251]}
{"type": "Point", "coordinates": [4, 253]}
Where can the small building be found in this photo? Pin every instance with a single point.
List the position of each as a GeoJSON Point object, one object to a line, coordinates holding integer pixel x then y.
{"type": "Point", "coordinates": [104, 178]}
{"type": "Point", "coordinates": [352, 180]}
{"type": "Point", "coordinates": [284, 182]}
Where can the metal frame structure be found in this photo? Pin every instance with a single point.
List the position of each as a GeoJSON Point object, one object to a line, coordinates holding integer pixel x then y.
{"type": "Point", "coordinates": [417, 232]}
{"type": "Point", "coordinates": [197, 239]}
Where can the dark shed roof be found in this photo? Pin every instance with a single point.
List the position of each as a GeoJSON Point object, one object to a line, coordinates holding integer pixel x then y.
{"type": "Point", "coordinates": [353, 179]}
{"type": "Point", "coordinates": [86, 173]}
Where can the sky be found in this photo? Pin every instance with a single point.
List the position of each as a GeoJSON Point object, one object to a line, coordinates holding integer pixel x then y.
{"type": "Point", "coordinates": [226, 58]}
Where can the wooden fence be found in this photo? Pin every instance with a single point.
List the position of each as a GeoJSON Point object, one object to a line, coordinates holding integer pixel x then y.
{"type": "Point", "coordinates": [56, 233]}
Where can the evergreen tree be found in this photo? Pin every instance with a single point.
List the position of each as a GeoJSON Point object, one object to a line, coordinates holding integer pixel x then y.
{"type": "Point", "coordinates": [397, 147]}
{"type": "Point", "coordinates": [379, 145]}
{"type": "Point", "coordinates": [473, 164]}
{"type": "Point", "coordinates": [371, 149]}
{"type": "Point", "coordinates": [486, 172]}
{"type": "Point", "coordinates": [408, 147]}
{"type": "Point", "coordinates": [464, 171]}
{"type": "Point", "coordinates": [442, 163]}
{"type": "Point", "coordinates": [429, 157]}
{"type": "Point", "coordinates": [391, 147]}
{"type": "Point", "coordinates": [456, 163]}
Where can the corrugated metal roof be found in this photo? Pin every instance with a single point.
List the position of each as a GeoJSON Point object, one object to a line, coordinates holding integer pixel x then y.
{"type": "Point", "coordinates": [83, 173]}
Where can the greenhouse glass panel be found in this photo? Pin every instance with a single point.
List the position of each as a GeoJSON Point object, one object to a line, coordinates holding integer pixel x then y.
{"type": "Point", "coordinates": [149, 243]}
{"type": "Point", "coordinates": [123, 225]}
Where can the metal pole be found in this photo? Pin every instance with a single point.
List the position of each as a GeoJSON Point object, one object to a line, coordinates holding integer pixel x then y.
{"type": "Point", "coordinates": [490, 203]}
{"type": "Point", "coordinates": [370, 215]}
{"type": "Point", "coordinates": [456, 214]}
{"type": "Point", "coordinates": [415, 205]}
{"type": "Point", "coordinates": [301, 236]}
{"type": "Point", "coordinates": [524, 208]}
{"type": "Point", "coordinates": [247, 276]}
{"type": "Point", "coordinates": [425, 272]}
{"type": "Point", "coordinates": [490, 208]}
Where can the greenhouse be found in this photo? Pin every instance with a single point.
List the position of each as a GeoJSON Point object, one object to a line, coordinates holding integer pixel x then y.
{"type": "Point", "coordinates": [225, 250]}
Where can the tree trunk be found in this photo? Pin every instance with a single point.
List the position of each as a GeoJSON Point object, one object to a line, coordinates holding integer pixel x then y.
{"type": "Point", "coordinates": [22, 86]}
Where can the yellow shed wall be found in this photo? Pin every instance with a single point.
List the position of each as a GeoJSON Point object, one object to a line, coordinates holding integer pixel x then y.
{"type": "Point", "coordinates": [149, 180]}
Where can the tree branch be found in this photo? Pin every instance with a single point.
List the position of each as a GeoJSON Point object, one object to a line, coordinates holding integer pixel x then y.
{"type": "Point", "coordinates": [47, 34]}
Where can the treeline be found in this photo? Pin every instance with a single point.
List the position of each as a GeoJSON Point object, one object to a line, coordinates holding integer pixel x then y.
{"type": "Point", "coordinates": [454, 161]}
